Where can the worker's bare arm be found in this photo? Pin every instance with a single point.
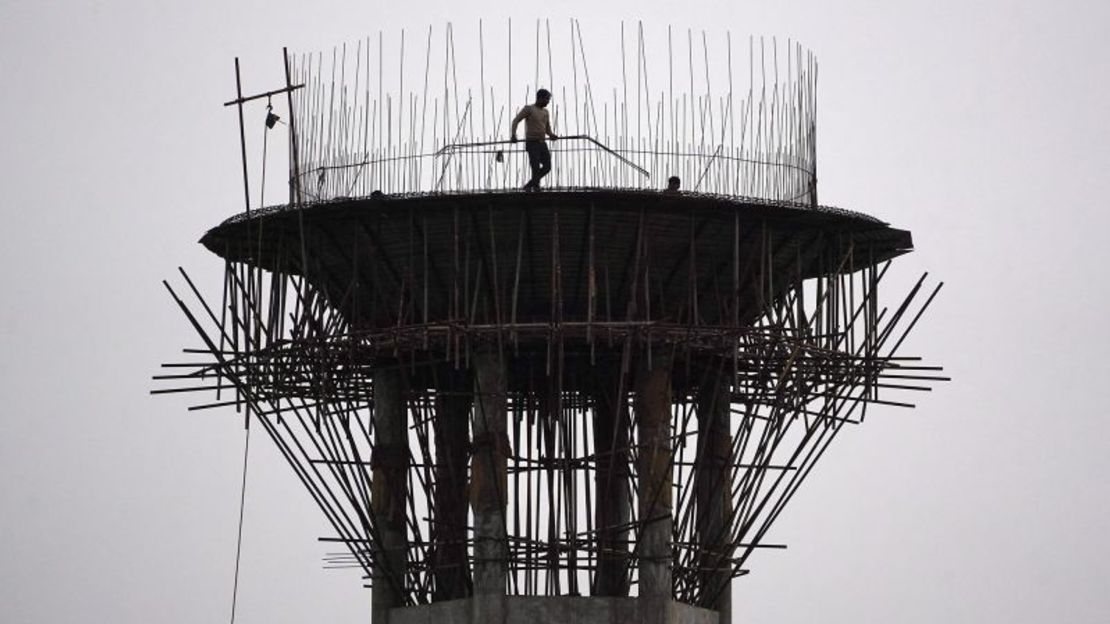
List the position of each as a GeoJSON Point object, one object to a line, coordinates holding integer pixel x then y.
{"type": "Point", "coordinates": [516, 122]}
{"type": "Point", "coordinates": [550, 132]}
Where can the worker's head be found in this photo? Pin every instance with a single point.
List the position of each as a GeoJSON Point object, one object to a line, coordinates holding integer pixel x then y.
{"type": "Point", "coordinates": [543, 96]}
{"type": "Point", "coordinates": [673, 183]}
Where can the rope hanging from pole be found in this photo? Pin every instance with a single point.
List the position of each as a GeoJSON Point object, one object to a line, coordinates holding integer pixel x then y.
{"type": "Point", "coordinates": [239, 539]}
{"type": "Point", "coordinates": [271, 119]}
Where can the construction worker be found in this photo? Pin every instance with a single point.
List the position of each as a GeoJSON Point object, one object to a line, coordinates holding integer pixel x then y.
{"type": "Point", "coordinates": [537, 127]}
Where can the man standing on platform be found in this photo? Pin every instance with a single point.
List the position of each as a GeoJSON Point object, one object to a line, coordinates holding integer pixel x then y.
{"type": "Point", "coordinates": [537, 127]}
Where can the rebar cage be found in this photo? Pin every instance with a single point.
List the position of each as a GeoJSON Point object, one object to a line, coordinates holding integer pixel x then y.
{"type": "Point", "coordinates": [371, 120]}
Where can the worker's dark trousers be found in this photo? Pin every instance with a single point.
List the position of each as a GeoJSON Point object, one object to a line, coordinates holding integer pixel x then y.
{"type": "Point", "coordinates": [539, 159]}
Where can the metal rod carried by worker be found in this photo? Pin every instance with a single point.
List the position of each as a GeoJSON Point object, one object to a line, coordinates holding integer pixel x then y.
{"type": "Point", "coordinates": [537, 127]}
{"type": "Point", "coordinates": [454, 147]}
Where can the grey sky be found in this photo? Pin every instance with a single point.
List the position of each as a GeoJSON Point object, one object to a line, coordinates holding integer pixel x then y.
{"type": "Point", "coordinates": [981, 127]}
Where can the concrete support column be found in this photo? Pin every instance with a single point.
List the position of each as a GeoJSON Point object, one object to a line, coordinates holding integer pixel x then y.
{"type": "Point", "coordinates": [653, 430]}
{"type": "Point", "coordinates": [488, 488]}
{"type": "Point", "coordinates": [452, 416]}
{"type": "Point", "coordinates": [713, 493]}
{"type": "Point", "coordinates": [389, 491]}
{"type": "Point", "coordinates": [611, 491]}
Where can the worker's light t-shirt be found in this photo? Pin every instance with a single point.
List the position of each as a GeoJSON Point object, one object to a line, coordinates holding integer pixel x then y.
{"type": "Point", "coordinates": [535, 120]}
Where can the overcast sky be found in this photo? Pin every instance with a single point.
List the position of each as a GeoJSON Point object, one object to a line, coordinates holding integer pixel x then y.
{"type": "Point", "coordinates": [980, 126]}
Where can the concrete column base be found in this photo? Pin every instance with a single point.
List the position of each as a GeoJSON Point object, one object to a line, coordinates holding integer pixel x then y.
{"type": "Point", "coordinates": [553, 610]}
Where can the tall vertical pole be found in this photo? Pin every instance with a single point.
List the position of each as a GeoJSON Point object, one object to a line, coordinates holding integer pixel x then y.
{"type": "Point", "coordinates": [389, 492]}
{"type": "Point", "coordinates": [488, 488]}
{"type": "Point", "coordinates": [242, 136]}
{"type": "Point", "coordinates": [246, 192]}
{"type": "Point", "coordinates": [295, 158]}
{"type": "Point", "coordinates": [713, 492]}
{"type": "Point", "coordinates": [653, 417]}
{"type": "Point", "coordinates": [611, 491]}
{"type": "Point", "coordinates": [452, 409]}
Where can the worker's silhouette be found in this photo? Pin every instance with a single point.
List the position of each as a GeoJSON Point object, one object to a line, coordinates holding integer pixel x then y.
{"type": "Point", "coordinates": [537, 127]}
